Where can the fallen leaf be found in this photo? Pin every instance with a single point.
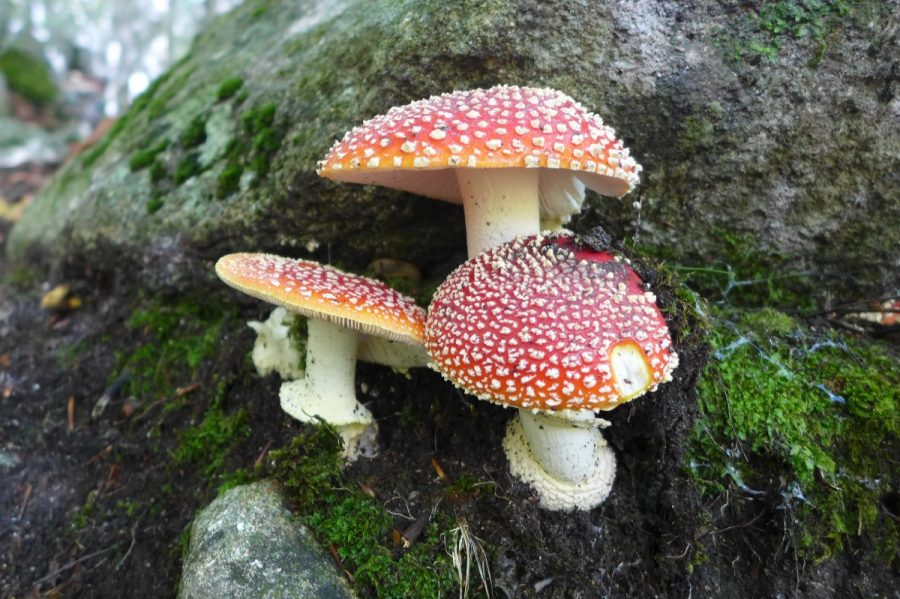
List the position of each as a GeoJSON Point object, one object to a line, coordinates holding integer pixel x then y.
{"type": "Point", "coordinates": [438, 469]}
{"type": "Point", "coordinates": [55, 299]}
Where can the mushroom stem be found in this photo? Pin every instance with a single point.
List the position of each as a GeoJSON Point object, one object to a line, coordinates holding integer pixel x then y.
{"type": "Point", "coordinates": [327, 392]}
{"type": "Point", "coordinates": [564, 458]}
{"type": "Point", "coordinates": [565, 448]}
{"type": "Point", "coordinates": [500, 204]}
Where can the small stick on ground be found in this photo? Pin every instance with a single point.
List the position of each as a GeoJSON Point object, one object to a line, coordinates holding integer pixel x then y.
{"type": "Point", "coordinates": [121, 562]}
{"type": "Point", "coordinates": [26, 497]}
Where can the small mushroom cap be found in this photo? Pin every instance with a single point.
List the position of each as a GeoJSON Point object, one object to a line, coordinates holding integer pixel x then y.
{"type": "Point", "coordinates": [413, 147]}
{"type": "Point", "coordinates": [318, 291]}
{"type": "Point", "coordinates": [542, 323]}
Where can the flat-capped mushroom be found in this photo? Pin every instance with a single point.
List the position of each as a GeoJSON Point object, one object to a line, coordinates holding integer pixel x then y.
{"type": "Point", "coordinates": [560, 331]}
{"type": "Point", "coordinates": [511, 155]}
{"type": "Point", "coordinates": [346, 314]}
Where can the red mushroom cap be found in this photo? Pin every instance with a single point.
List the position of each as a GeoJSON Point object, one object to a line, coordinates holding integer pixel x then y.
{"type": "Point", "coordinates": [501, 127]}
{"type": "Point", "coordinates": [319, 291]}
{"type": "Point", "coordinates": [534, 322]}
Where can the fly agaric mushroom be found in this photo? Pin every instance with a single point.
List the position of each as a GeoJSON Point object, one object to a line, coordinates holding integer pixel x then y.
{"type": "Point", "coordinates": [511, 155]}
{"type": "Point", "coordinates": [559, 331]}
{"type": "Point", "coordinates": [346, 312]}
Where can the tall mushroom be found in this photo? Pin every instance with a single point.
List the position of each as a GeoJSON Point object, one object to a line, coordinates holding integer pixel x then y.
{"type": "Point", "coordinates": [511, 155]}
{"type": "Point", "coordinates": [560, 331]}
{"type": "Point", "coordinates": [345, 313]}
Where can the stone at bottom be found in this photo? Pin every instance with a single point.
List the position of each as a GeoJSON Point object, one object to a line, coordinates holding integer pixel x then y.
{"type": "Point", "coordinates": [246, 544]}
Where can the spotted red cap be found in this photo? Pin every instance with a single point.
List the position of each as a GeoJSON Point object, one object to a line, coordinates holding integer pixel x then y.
{"type": "Point", "coordinates": [319, 291]}
{"type": "Point", "coordinates": [535, 323]}
{"type": "Point", "coordinates": [413, 146]}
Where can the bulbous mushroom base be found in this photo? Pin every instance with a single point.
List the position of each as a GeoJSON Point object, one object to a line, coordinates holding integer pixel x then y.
{"type": "Point", "coordinates": [557, 494]}
{"type": "Point", "coordinates": [353, 422]}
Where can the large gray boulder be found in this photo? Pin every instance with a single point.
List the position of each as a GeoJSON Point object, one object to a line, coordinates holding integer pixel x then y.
{"type": "Point", "coordinates": [245, 544]}
{"type": "Point", "coordinates": [776, 161]}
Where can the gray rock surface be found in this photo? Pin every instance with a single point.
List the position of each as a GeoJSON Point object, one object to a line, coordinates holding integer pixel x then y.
{"type": "Point", "coordinates": [245, 544]}
{"type": "Point", "coordinates": [775, 154]}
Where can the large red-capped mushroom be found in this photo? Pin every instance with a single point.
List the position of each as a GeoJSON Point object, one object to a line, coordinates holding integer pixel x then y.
{"type": "Point", "coordinates": [350, 316]}
{"type": "Point", "coordinates": [560, 331]}
{"type": "Point", "coordinates": [511, 155]}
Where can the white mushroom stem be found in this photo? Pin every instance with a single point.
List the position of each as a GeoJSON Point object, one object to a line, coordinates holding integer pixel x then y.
{"type": "Point", "coordinates": [565, 459]}
{"type": "Point", "coordinates": [500, 204]}
{"type": "Point", "coordinates": [566, 448]}
{"type": "Point", "coordinates": [327, 391]}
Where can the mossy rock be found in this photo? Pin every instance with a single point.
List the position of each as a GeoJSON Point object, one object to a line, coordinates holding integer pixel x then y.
{"type": "Point", "coordinates": [754, 167]}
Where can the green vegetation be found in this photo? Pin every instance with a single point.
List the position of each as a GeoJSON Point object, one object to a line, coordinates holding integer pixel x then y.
{"type": "Point", "coordinates": [176, 339]}
{"type": "Point", "coordinates": [228, 88]}
{"type": "Point", "coordinates": [207, 444]}
{"type": "Point", "coordinates": [259, 126]}
{"type": "Point", "coordinates": [137, 107]}
{"type": "Point", "coordinates": [158, 171]}
{"type": "Point", "coordinates": [357, 527]}
{"type": "Point", "coordinates": [766, 30]}
{"type": "Point", "coordinates": [195, 133]}
{"type": "Point", "coordinates": [146, 157]}
{"type": "Point", "coordinates": [229, 180]}
{"type": "Point", "coordinates": [28, 76]}
{"type": "Point", "coordinates": [154, 204]}
{"type": "Point", "coordinates": [821, 409]}
{"type": "Point", "coordinates": [22, 277]}
{"type": "Point", "coordinates": [188, 167]}
{"type": "Point", "coordinates": [745, 276]}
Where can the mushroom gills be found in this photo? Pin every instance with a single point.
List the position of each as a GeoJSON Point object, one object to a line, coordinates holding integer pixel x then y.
{"type": "Point", "coordinates": [630, 369]}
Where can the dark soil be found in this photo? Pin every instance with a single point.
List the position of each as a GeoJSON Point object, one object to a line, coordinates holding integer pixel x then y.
{"type": "Point", "coordinates": [98, 506]}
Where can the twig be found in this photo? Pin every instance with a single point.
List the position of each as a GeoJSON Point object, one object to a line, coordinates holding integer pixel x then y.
{"type": "Point", "coordinates": [72, 564]}
{"type": "Point", "coordinates": [25, 500]}
{"type": "Point", "coordinates": [121, 562]}
{"type": "Point", "coordinates": [744, 525]}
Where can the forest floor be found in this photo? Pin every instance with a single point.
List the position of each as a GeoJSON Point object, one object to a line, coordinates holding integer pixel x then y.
{"type": "Point", "coordinates": [123, 413]}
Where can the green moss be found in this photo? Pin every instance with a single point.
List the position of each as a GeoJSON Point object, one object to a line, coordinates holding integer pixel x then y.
{"type": "Point", "coordinates": [158, 171]}
{"type": "Point", "coordinates": [228, 88]}
{"type": "Point", "coordinates": [823, 408]}
{"type": "Point", "coordinates": [189, 166]}
{"type": "Point", "coordinates": [765, 31]}
{"type": "Point", "coordinates": [195, 133]}
{"type": "Point", "coordinates": [229, 179]}
{"type": "Point", "coordinates": [137, 107]}
{"type": "Point", "coordinates": [175, 339]}
{"type": "Point", "coordinates": [259, 131]}
{"type": "Point", "coordinates": [208, 444]}
{"type": "Point", "coordinates": [147, 156]}
{"type": "Point", "coordinates": [28, 76]}
{"type": "Point", "coordinates": [154, 204]}
{"type": "Point", "coordinates": [158, 103]}
{"type": "Point", "coordinates": [357, 526]}
{"type": "Point", "coordinates": [745, 275]}
{"type": "Point", "coordinates": [22, 277]}
{"type": "Point", "coordinates": [697, 132]}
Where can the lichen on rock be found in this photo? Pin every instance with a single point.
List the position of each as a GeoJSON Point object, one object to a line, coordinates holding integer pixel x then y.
{"type": "Point", "coordinates": [757, 149]}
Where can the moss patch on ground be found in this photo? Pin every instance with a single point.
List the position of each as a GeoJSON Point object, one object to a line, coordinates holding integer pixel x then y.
{"type": "Point", "coordinates": [176, 338]}
{"type": "Point", "coordinates": [821, 409]}
{"type": "Point", "coordinates": [356, 527]}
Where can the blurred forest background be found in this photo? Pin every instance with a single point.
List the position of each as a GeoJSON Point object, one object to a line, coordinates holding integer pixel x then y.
{"type": "Point", "coordinates": [66, 65]}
